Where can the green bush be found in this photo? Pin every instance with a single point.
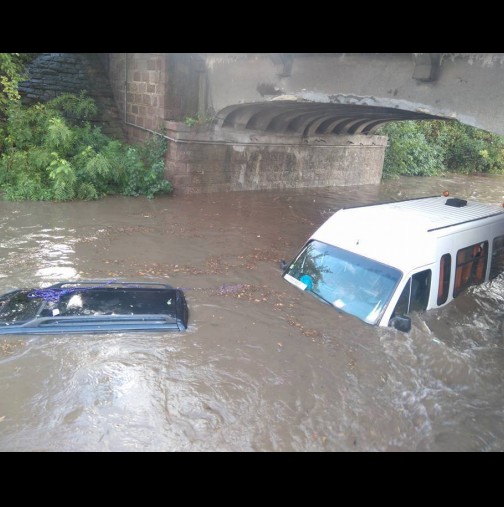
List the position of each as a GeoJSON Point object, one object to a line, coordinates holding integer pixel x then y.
{"type": "Point", "coordinates": [468, 149]}
{"type": "Point", "coordinates": [430, 148]}
{"type": "Point", "coordinates": [409, 152]}
{"type": "Point", "coordinates": [52, 152]}
{"type": "Point", "coordinates": [11, 73]}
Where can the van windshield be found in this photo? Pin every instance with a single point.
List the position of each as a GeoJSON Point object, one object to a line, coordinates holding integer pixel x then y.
{"type": "Point", "coordinates": [354, 284]}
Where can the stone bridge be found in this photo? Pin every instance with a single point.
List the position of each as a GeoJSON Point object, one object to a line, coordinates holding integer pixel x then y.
{"type": "Point", "coordinates": [300, 120]}
{"type": "Point", "coordinates": [250, 121]}
{"type": "Point", "coordinates": [335, 93]}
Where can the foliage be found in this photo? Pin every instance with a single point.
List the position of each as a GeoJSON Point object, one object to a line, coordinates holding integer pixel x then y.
{"type": "Point", "coordinates": [52, 152]}
{"type": "Point", "coordinates": [151, 155]}
{"type": "Point", "coordinates": [77, 109]}
{"type": "Point", "coordinates": [197, 120]}
{"type": "Point", "coordinates": [409, 152]}
{"type": "Point", "coordinates": [10, 75]}
{"type": "Point", "coordinates": [429, 148]}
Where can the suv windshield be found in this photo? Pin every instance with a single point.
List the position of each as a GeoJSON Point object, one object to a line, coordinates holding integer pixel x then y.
{"type": "Point", "coordinates": [352, 283]}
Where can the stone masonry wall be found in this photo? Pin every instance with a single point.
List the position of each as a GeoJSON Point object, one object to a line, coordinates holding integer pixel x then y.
{"type": "Point", "coordinates": [275, 162]}
{"type": "Point", "coordinates": [51, 74]}
{"type": "Point", "coordinates": [144, 98]}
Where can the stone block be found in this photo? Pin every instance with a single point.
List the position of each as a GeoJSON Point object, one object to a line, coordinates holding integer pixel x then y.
{"type": "Point", "coordinates": [171, 167]}
{"type": "Point", "coordinates": [179, 180]}
{"type": "Point", "coordinates": [177, 153]}
{"type": "Point", "coordinates": [142, 62]}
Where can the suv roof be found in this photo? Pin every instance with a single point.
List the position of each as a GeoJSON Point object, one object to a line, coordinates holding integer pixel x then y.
{"type": "Point", "coordinates": [93, 307]}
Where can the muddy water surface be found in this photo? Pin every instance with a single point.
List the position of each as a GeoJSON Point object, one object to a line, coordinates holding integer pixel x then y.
{"type": "Point", "coordinates": [263, 366]}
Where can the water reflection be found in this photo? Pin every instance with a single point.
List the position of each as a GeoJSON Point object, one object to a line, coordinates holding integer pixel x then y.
{"type": "Point", "coordinates": [263, 366]}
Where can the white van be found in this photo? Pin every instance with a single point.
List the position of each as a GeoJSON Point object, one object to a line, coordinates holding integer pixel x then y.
{"type": "Point", "coordinates": [383, 261]}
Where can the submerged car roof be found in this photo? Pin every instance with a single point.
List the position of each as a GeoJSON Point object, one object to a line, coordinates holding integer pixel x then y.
{"type": "Point", "coordinates": [93, 306]}
{"type": "Point", "coordinates": [401, 233]}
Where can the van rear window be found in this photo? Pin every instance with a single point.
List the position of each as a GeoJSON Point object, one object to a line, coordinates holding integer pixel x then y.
{"type": "Point", "coordinates": [471, 266]}
{"type": "Point", "coordinates": [444, 279]}
{"type": "Point", "coordinates": [497, 266]}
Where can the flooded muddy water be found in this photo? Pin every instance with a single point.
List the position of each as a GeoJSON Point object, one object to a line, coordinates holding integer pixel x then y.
{"type": "Point", "coordinates": [263, 366]}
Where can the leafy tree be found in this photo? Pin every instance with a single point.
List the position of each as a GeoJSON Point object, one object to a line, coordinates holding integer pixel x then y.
{"type": "Point", "coordinates": [11, 73]}
{"type": "Point", "coordinates": [52, 152]}
{"type": "Point", "coordinates": [409, 151]}
{"type": "Point", "coordinates": [430, 148]}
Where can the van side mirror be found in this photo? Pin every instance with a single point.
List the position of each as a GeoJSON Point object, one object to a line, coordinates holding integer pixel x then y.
{"type": "Point", "coordinates": [401, 323]}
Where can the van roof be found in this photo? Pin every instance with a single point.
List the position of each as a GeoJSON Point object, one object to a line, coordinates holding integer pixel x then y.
{"type": "Point", "coordinates": [401, 234]}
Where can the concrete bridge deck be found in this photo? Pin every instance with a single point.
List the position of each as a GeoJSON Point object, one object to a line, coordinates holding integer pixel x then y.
{"type": "Point", "coordinates": [463, 86]}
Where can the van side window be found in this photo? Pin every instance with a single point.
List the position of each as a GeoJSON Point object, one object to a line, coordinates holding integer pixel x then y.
{"type": "Point", "coordinates": [415, 295]}
{"type": "Point", "coordinates": [471, 266]}
{"type": "Point", "coordinates": [420, 288]}
{"type": "Point", "coordinates": [497, 265]}
{"type": "Point", "coordinates": [444, 279]}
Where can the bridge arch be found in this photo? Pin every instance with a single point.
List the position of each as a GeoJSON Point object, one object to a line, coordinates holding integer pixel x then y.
{"type": "Point", "coordinates": [462, 86]}
{"type": "Point", "coordinates": [293, 117]}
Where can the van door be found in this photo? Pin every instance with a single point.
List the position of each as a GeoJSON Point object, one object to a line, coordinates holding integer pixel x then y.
{"type": "Point", "coordinates": [415, 295]}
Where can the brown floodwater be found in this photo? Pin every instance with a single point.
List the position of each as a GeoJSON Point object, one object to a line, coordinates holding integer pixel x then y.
{"type": "Point", "coordinates": [263, 366]}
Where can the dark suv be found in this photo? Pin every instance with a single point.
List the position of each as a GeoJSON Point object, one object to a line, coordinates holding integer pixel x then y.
{"type": "Point", "coordinates": [93, 307]}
